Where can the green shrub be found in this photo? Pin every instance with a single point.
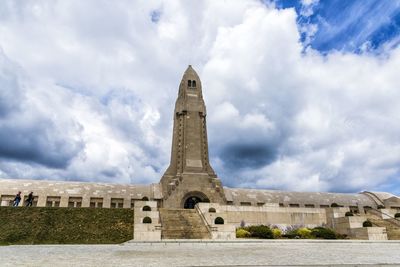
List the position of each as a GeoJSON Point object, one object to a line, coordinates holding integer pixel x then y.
{"type": "Point", "coordinates": [299, 233]}
{"type": "Point", "coordinates": [291, 232]}
{"type": "Point", "coordinates": [241, 233]}
{"type": "Point", "coordinates": [397, 215]}
{"type": "Point", "coordinates": [367, 224]}
{"type": "Point", "coordinates": [349, 213]}
{"type": "Point", "coordinates": [276, 233]}
{"type": "Point", "coordinates": [324, 233]}
{"type": "Point", "coordinates": [260, 231]}
{"type": "Point", "coordinates": [304, 232]}
{"type": "Point", "coordinates": [48, 225]}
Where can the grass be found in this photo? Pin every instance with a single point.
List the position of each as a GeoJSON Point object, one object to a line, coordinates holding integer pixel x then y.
{"type": "Point", "coordinates": [65, 225]}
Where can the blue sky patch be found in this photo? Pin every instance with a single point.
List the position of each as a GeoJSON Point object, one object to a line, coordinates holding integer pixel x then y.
{"type": "Point", "coordinates": [349, 26]}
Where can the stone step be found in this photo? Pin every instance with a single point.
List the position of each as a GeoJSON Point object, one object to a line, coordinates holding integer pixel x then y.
{"type": "Point", "coordinates": [182, 224]}
{"type": "Point", "coordinates": [392, 230]}
{"type": "Point", "coordinates": [181, 227]}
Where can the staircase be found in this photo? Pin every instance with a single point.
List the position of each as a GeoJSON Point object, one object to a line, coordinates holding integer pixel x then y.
{"type": "Point", "coordinates": [393, 230]}
{"type": "Point", "coordinates": [182, 224]}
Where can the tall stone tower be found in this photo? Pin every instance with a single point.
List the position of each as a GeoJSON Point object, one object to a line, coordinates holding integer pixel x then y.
{"type": "Point", "coordinates": [190, 178]}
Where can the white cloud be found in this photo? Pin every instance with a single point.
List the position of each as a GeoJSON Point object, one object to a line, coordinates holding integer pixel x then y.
{"type": "Point", "coordinates": [307, 7]}
{"type": "Point", "coordinates": [105, 77]}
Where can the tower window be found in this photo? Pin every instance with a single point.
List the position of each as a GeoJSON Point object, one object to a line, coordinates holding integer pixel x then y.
{"type": "Point", "coordinates": [191, 83]}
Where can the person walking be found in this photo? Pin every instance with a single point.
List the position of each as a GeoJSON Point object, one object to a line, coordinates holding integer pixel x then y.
{"type": "Point", "coordinates": [17, 199]}
{"type": "Point", "coordinates": [29, 200]}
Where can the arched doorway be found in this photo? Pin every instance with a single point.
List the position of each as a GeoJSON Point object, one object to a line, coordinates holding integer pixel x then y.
{"type": "Point", "coordinates": [191, 199]}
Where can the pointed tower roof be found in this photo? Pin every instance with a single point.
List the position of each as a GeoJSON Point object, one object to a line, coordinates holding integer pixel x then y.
{"type": "Point", "coordinates": [190, 78]}
{"type": "Point", "coordinates": [190, 73]}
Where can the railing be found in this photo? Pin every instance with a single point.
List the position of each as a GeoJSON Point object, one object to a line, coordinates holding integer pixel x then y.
{"type": "Point", "coordinates": [374, 197]}
{"type": "Point", "coordinates": [392, 219]}
{"type": "Point", "coordinates": [209, 227]}
{"type": "Point", "coordinates": [160, 220]}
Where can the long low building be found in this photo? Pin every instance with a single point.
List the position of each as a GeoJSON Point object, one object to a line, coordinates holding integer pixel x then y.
{"type": "Point", "coordinates": [106, 195]}
{"type": "Point", "coordinates": [77, 194]}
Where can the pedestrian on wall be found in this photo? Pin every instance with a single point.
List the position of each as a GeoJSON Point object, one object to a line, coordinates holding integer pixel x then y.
{"type": "Point", "coordinates": [29, 200]}
{"type": "Point", "coordinates": [17, 199]}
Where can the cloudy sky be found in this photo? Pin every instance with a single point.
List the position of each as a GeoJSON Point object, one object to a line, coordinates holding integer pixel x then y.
{"type": "Point", "coordinates": [301, 95]}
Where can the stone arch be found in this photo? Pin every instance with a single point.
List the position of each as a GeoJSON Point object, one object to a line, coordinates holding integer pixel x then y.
{"type": "Point", "coordinates": [193, 83]}
{"type": "Point", "coordinates": [219, 220]}
{"type": "Point", "coordinates": [212, 210]}
{"type": "Point", "coordinates": [147, 220]}
{"type": "Point", "coordinates": [192, 198]}
{"type": "Point", "coordinates": [146, 208]}
{"type": "Point", "coordinates": [145, 198]}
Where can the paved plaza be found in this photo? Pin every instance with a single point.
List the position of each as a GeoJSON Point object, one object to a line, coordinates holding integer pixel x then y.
{"type": "Point", "coordinates": [269, 253]}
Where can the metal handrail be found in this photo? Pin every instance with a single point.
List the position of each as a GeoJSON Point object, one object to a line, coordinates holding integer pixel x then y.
{"type": "Point", "coordinates": [208, 226]}
{"type": "Point", "coordinates": [374, 197]}
{"type": "Point", "coordinates": [390, 216]}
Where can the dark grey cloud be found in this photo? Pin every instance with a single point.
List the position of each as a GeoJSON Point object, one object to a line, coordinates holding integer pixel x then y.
{"type": "Point", "coordinates": [26, 135]}
{"type": "Point", "coordinates": [241, 155]}
{"type": "Point", "coordinates": [112, 173]}
{"type": "Point", "coordinates": [10, 91]}
{"type": "Point", "coordinates": [37, 145]}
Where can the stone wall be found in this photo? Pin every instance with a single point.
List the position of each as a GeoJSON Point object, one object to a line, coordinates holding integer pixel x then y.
{"type": "Point", "coordinates": [147, 230]}
{"type": "Point", "coordinates": [270, 214]}
{"type": "Point", "coordinates": [78, 194]}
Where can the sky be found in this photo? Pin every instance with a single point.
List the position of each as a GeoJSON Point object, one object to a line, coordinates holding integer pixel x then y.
{"type": "Point", "coordinates": [301, 95]}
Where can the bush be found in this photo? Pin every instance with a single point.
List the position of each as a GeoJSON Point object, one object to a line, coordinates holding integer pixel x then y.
{"type": "Point", "coordinates": [241, 233]}
{"type": "Point", "coordinates": [367, 224]}
{"type": "Point", "coordinates": [48, 225]}
{"type": "Point", "coordinates": [291, 234]}
{"type": "Point", "coordinates": [299, 233]}
{"type": "Point", "coordinates": [260, 231]}
{"type": "Point", "coordinates": [349, 213]}
{"type": "Point", "coordinates": [276, 233]}
{"type": "Point", "coordinates": [397, 215]}
{"type": "Point", "coordinates": [304, 232]}
{"type": "Point", "coordinates": [324, 233]}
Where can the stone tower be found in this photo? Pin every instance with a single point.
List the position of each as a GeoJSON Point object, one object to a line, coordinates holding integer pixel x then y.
{"type": "Point", "coordinates": [190, 178]}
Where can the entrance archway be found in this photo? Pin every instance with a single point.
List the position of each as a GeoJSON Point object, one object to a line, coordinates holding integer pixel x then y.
{"type": "Point", "coordinates": [190, 200]}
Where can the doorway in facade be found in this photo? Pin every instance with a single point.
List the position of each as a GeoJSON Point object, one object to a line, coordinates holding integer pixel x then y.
{"type": "Point", "coordinates": [191, 200]}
